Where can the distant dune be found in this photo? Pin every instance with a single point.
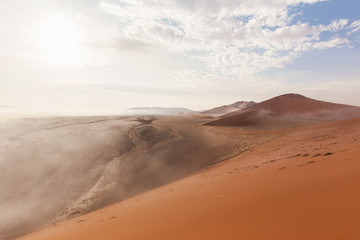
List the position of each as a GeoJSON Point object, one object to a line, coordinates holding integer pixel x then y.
{"type": "Point", "coordinates": [229, 108]}
{"type": "Point", "coordinates": [286, 111]}
{"type": "Point", "coordinates": [155, 111]}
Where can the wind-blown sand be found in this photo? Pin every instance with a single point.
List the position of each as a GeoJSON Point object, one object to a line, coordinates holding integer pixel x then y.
{"type": "Point", "coordinates": [300, 183]}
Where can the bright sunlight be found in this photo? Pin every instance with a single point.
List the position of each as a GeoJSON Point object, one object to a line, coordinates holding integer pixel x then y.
{"type": "Point", "coordinates": [59, 39]}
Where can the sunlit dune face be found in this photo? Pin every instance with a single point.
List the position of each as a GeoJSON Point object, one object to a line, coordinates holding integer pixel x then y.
{"type": "Point", "coordinates": [59, 39]}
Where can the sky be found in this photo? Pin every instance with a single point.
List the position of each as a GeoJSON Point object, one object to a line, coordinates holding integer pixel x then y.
{"type": "Point", "coordinates": [101, 56]}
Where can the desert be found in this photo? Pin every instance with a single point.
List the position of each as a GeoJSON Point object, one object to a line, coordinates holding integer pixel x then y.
{"type": "Point", "coordinates": [182, 177]}
{"type": "Point", "coordinates": [179, 119]}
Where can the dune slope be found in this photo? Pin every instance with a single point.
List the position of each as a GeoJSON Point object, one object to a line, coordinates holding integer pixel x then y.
{"type": "Point", "coordinates": [300, 184]}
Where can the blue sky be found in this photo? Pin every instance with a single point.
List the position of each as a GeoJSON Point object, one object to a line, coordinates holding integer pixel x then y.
{"type": "Point", "coordinates": [324, 12]}
{"type": "Point", "coordinates": [100, 56]}
{"type": "Point", "coordinates": [332, 60]}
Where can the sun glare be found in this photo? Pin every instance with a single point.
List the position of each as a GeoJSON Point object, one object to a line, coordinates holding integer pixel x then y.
{"type": "Point", "coordinates": [59, 39]}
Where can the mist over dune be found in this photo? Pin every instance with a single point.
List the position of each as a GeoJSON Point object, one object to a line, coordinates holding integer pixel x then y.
{"type": "Point", "coordinates": [47, 163]}
{"type": "Point", "coordinates": [143, 111]}
{"type": "Point", "coordinates": [56, 168]}
{"type": "Point", "coordinates": [299, 183]}
{"type": "Point", "coordinates": [59, 168]}
{"type": "Point", "coordinates": [229, 108]}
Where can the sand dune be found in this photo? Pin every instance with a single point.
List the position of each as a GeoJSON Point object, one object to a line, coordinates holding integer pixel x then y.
{"type": "Point", "coordinates": [275, 177]}
{"type": "Point", "coordinates": [287, 111]}
{"type": "Point", "coordinates": [299, 184]}
{"type": "Point", "coordinates": [258, 120]}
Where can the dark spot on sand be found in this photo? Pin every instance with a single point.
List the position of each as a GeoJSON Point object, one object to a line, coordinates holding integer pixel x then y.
{"type": "Point", "coordinates": [82, 220]}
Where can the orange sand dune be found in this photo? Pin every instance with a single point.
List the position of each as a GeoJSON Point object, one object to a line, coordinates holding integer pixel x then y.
{"type": "Point", "coordinates": [297, 104]}
{"type": "Point", "coordinates": [258, 120]}
{"type": "Point", "coordinates": [302, 184]}
{"type": "Point", "coordinates": [289, 110]}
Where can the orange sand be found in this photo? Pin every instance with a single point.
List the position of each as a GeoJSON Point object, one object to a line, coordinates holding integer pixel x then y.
{"type": "Point", "coordinates": [303, 184]}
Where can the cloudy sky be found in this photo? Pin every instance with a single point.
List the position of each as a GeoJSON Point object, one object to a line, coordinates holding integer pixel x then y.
{"type": "Point", "coordinates": [100, 56]}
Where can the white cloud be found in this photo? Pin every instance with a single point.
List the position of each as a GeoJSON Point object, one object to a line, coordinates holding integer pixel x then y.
{"type": "Point", "coordinates": [338, 25]}
{"type": "Point", "coordinates": [354, 27]}
{"type": "Point", "coordinates": [337, 42]}
{"type": "Point", "coordinates": [234, 38]}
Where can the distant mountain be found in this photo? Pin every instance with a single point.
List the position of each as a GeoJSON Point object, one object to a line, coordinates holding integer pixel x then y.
{"type": "Point", "coordinates": [155, 111]}
{"type": "Point", "coordinates": [229, 108]}
{"type": "Point", "coordinates": [288, 108]}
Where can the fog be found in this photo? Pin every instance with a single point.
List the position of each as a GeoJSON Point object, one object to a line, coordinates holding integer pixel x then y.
{"type": "Point", "coordinates": [141, 111]}
{"type": "Point", "coordinates": [56, 168]}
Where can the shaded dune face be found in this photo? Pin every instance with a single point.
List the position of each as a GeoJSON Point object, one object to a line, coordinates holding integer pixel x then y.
{"type": "Point", "coordinates": [54, 169]}
{"type": "Point", "coordinates": [287, 110]}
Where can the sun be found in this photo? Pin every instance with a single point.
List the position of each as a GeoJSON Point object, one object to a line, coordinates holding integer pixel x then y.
{"type": "Point", "coordinates": [60, 41]}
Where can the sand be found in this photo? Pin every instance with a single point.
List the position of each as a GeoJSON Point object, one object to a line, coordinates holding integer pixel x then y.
{"type": "Point", "coordinates": [300, 183]}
